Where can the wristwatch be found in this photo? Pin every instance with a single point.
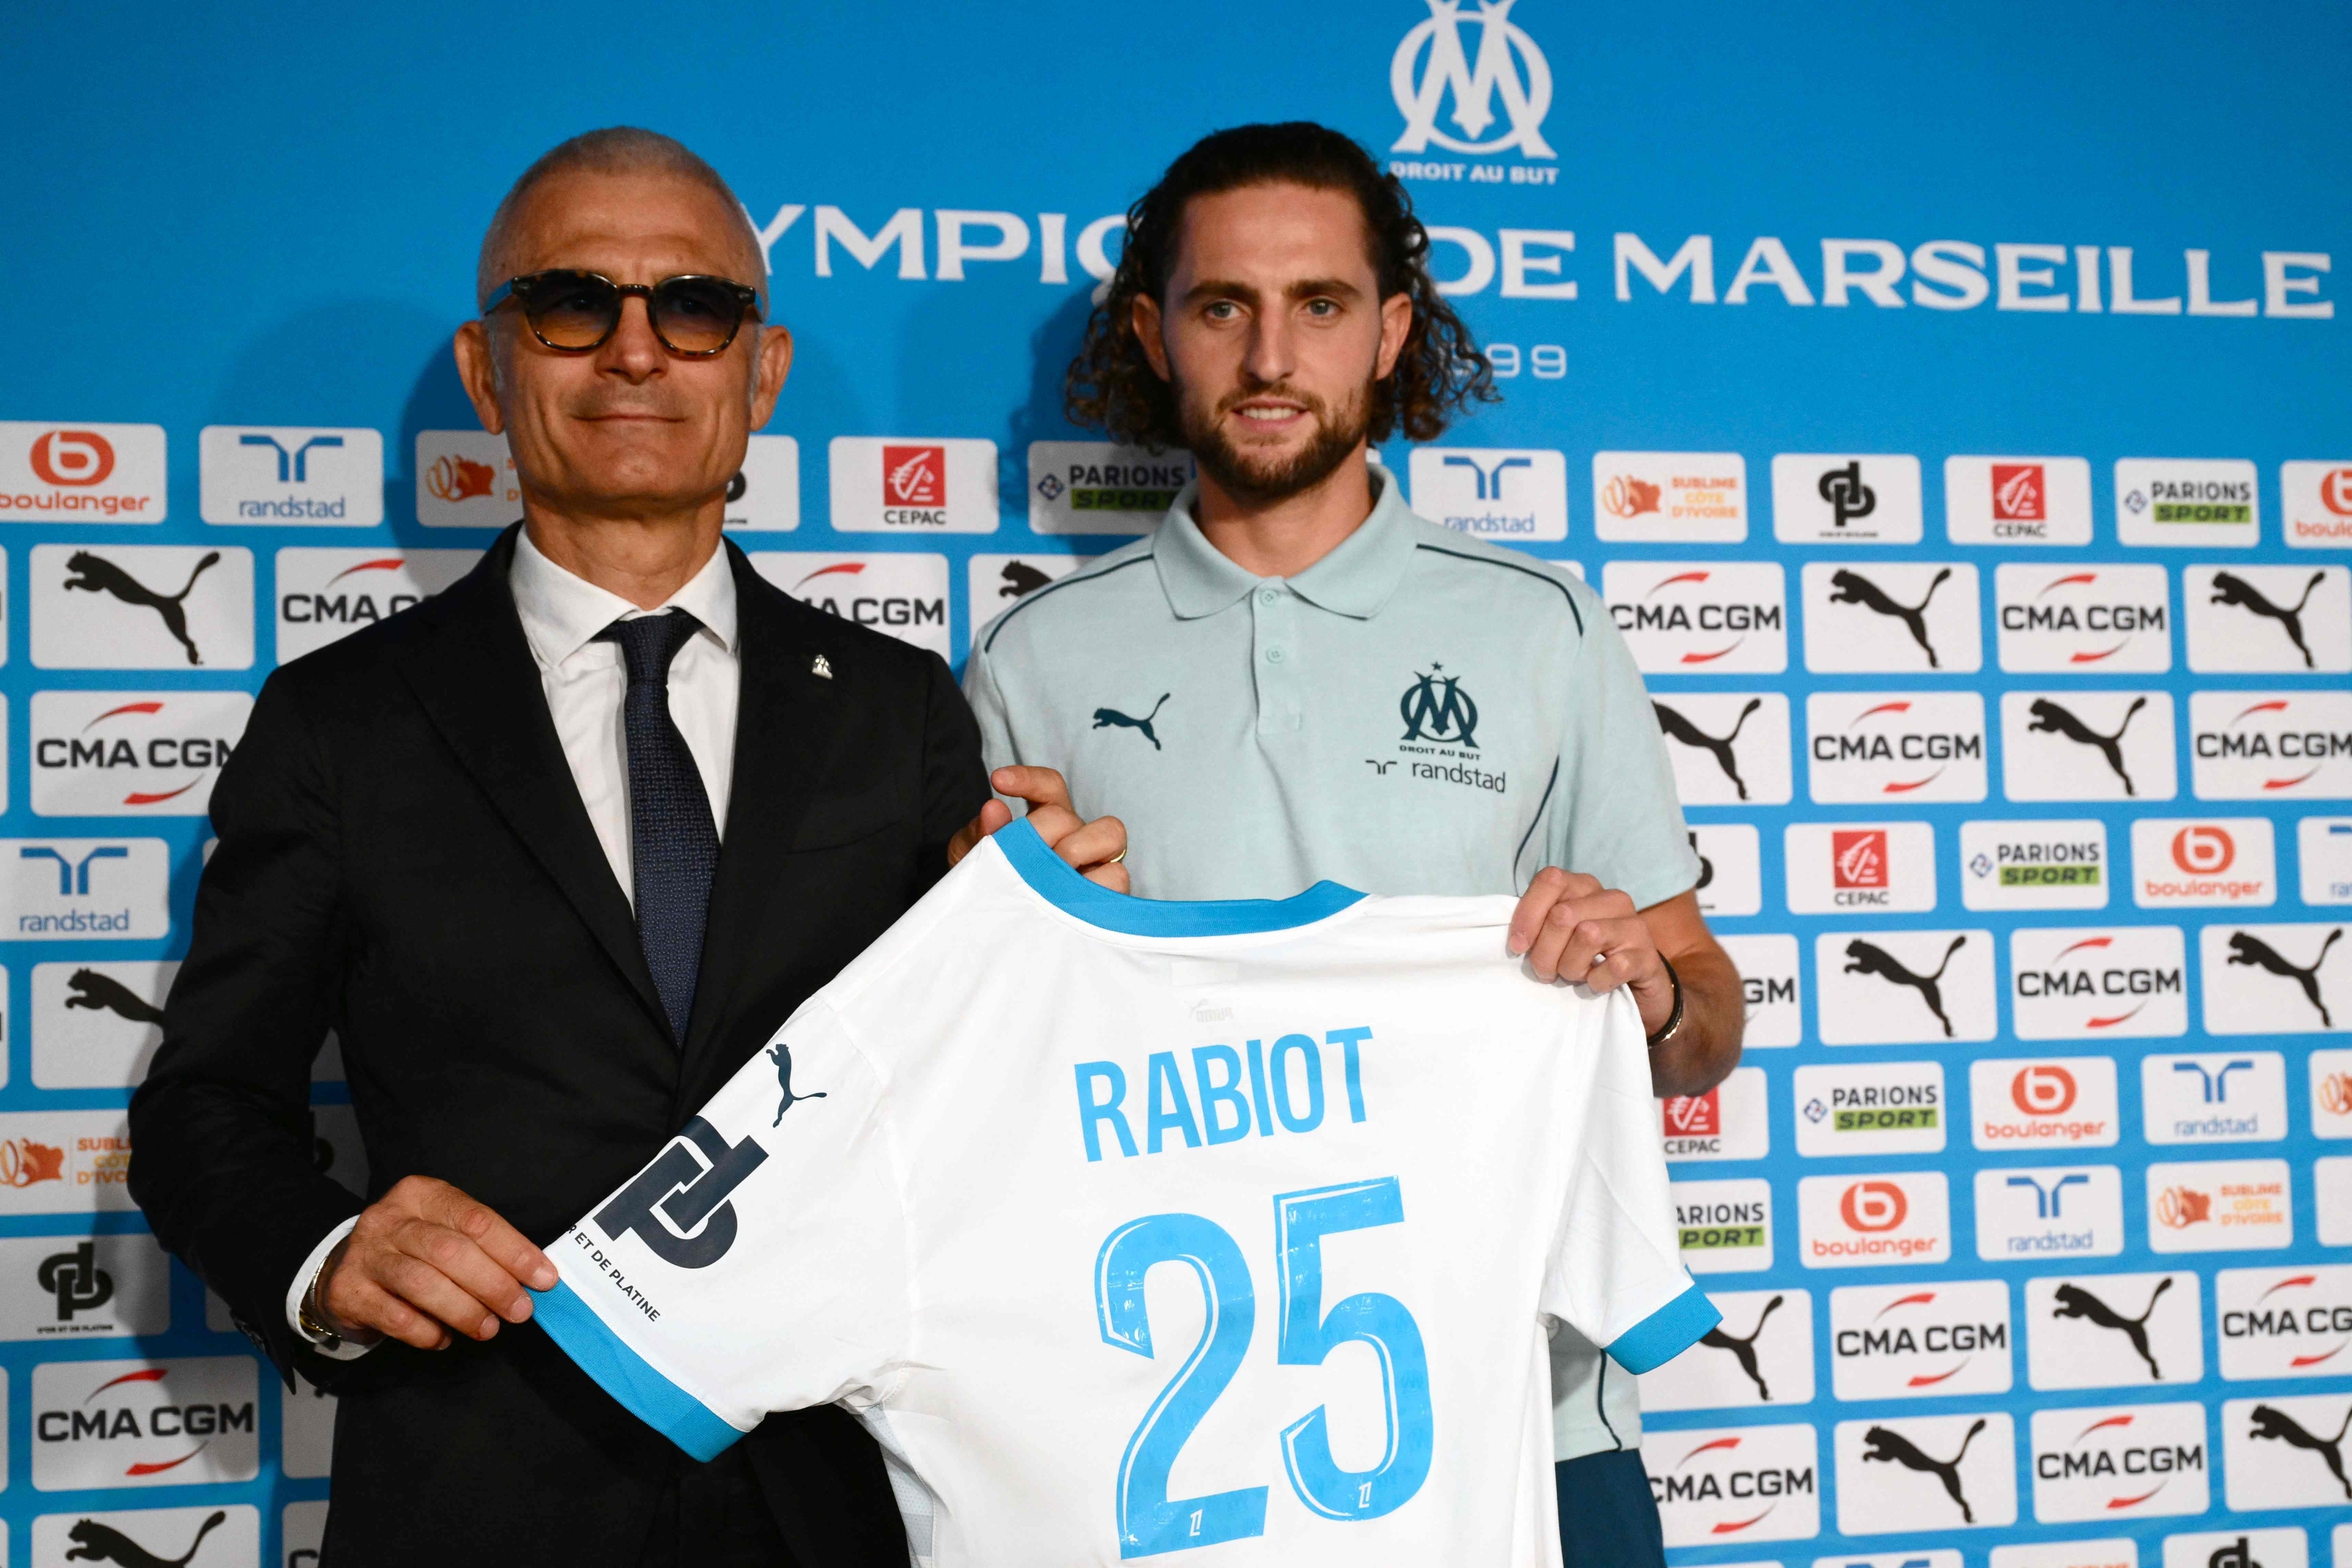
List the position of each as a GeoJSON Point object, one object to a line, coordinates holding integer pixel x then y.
{"type": "Point", "coordinates": [1674, 1019]}
{"type": "Point", "coordinates": [308, 1312]}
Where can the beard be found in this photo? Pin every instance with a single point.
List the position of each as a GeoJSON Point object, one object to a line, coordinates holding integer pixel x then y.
{"type": "Point", "coordinates": [1266, 476]}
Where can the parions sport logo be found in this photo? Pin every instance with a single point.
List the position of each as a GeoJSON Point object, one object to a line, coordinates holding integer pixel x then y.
{"type": "Point", "coordinates": [1724, 1227]}
{"type": "Point", "coordinates": [1100, 487]}
{"type": "Point", "coordinates": [144, 1423]}
{"type": "Point", "coordinates": [1870, 1107]}
{"type": "Point", "coordinates": [2038, 864]}
{"type": "Point", "coordinates": [2045, 1102]}
{"type": "Point", "coordinates": [1880, 748]}
{"type": "Point", "coordinates": [2271, 745]}
{"type": "Point", "coordinates": [2077, 982]}
{"type": "Point", "coordinates": [1693, 617]}
{"type": "Point", "coordinates": [2124, 1461]}
{"type": "Point", "coordinates": [2286, 1322]}
{"type": "Point", "coordinates": [1916, 1342]}
{"type": "Point", "coordinates": [1735, 1484]}
{"type": "Point", "coordinates": [2084, 620]}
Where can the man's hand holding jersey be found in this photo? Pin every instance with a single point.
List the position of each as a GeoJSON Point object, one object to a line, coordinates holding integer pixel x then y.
{"type": "Point", "coordinates": [1569, 927]}
{"type": "Point", "coordinates": [1095, 848]}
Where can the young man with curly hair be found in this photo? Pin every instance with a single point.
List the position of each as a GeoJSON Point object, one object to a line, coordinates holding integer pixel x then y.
{"type": "Point", "coordinates": [1295, 679]}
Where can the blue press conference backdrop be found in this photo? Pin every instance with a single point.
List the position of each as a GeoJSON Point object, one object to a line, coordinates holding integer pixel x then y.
{"type": "Point", "coordinates": [1951, 406]}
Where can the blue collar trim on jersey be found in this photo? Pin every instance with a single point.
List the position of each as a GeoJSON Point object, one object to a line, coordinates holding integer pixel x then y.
{"type": "Point", "coordinates": [1052, 879]}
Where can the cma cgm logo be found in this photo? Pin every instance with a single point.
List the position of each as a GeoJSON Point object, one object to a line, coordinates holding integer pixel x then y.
{"type": "Point", "coordinates": [196, 1423]}
{"type": "Point", "coordinates": [824, 588]}
{"type": "Point", "coordinates": [1457, 64]}
{"type": "Point", "coordinates": [73, 458]}
{"type": "Point", "coordinates": [1725, 1479]}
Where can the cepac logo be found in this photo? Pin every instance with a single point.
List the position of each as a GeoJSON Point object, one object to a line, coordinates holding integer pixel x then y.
{"type": "Point", "coordinates": [2277, 979]}
{"type": "Point", "coordinates": [1892, 618]}
{"type": "Point", "coordinates": [765, 494]}
{"type": "Point", "coordinates": [2262, 745]}
{"type": "Point", "coordinates": [2287, 1452]}
{"type": "Point", "coordinates": [1840, 869]}
{"type": "Point", "coordinates": [2087, 745]}
{"type": "Point", "coordinates": [2283, 620]}
{"type": "Point", "coordinates": [1726, 1122]}
{"type": "Point", "coordinates": [196, 1537]}
{"type": "Point", "coordinates": [1911, 1341]}
{"type": "Point", "coordinates": [2318, 501]}
{"type": "Point", "coordinates": [81, 473]}
{"type": "Point", "coordinates": [2229, 1097]}
{"type": "Point", "coordinates": [1434, 70]}
{"type": "Point", "coordinates": [324, 595]}
{"type": "Point", "coordinates": [1761, 1353]}
{"type": "Point", "coordinates": [132, 754]}
{"type": "Point", "coordinates": [1871, 1221]}
{"type": "Point", "coordinates": [54, 1288]}
{"type": "Point", "coordinates": [1858, 860]}
{"type": "Point", "coordinates": [1724, 1227]}
{"type": "Point", "coordinates": [1882, 748]}
{"type": "Point", "coordinates": [273, 475]}
{"type": "Point", "coordinates": [2119, 1461]}
{"type": "Point", "coordinates": [1845, 498]}
{"type": "Point", "coordinates": [143, 1423]}
{"type": "Point", "coordinates": [2010, 864]}
{"type": "Point", "coordinates": [2190, 862]}
{"type": "Point", "coordinates": [1685, 497]}
{"type": "Point", "coordinates": [1730, 869]}
{"type": "Point", "coordinates": [2073, 983]}
{"type": "Point", "coordinates": [155, 607]}
{"type": "Point", "coordinates": [2171, 502]}
{"type": "Point", "coordinates": [2219, 1206]}
{"type": "Point", "coordinates": [2113, 1331]}
{"type": "Point", "coordinates": [466, 478]}
{"type": "Point", "coordinates": [2043, 1103]}
{"type": "Point", "coordinates": [2051, 1211]}
{"type": "Point", "coordinates": [2294, 1322]}
{"type": "Point", "coordinates": [1907, 987]}
{"type": "Point", "coordinates": [65, 1162]}
{"type": "Point", "coordinates": [1953, 1472]}
{"type": "Point", "coordinates": [1728, 747]}
{"type": "Point", "coordinates": [2084, 620]}
{"type": "Point", "coordinates": [61, 888]}
{"type": "Point", "coordinates": [1735, 1484]}
{"type": "Point", "coordinates": [2017, 501]}
{"type": "Point", "coordinates": [905, 595]}
{"type": "Point", "coordinates": [1492, 492]}
{"type": "Point", "coordinates": [1870, 1107]}
{"type": "Point", "coordinates": [1687, 617]}
{"type": "Point", "coordinates": [1100, 487]}
{"type": "Point", "coordinates": [96, 1023]}
{"type": "Point", "coordinates": [903, 485]}
{"type": "Point", "coordinates": [1771, 987]}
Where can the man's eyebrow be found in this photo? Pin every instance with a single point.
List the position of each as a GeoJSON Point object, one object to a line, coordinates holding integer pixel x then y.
{"type": "Point", "coordinates": [1318, 288]}
{"type": "Point", "coordinates": [1304, 288]}
{"type": "Point", "coordinates": [1220, 288]}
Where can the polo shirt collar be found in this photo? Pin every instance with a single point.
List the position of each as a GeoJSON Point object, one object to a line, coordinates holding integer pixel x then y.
{"type": "Point", "coordinates": [1354, 580]}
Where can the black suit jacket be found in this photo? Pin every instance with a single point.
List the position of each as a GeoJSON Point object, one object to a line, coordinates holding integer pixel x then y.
{"type": "Point", "coordinates": [404, 859]}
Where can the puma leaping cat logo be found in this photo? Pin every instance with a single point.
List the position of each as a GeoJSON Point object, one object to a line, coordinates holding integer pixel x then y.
{"type": "Point", "coordinates": [2073, 1301]}
{"type": "Point", "coordinates": [2051, 719]}
{"type": "Point", "coordinates": [2246, 948]}
{"type": "Point", "coordinates": [2278, 1425]}
{"type": "Point", "coordinates": [1105, 717]}
{"type": "Point", "coordinates": [1868, 958]}
{"type": "Point", "coordinates": [781, 1055]}
{"type": "Point", "coordinates": [1689, 735]}
{"type": "Point", "coordinates": [1744, 1349]}
{"type": "Point", "coordinates": [2229, 588]}
{"type": "Point", "coordinates": [97, 574]}
{"type": "Point", "coordinates": [1852, 588]}
{"type": "Point", "coordinates": [104, 994]}
{"type": "Point", "coordinates": [1885, 1444]}
{"type": "Point", "coordinates": [96, 1543]}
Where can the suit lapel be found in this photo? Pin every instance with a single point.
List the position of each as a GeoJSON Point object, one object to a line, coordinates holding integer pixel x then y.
{"type": "Point", "coordinates": [479, 685]}
{"type": "Point", "coordinates": [786, 727]}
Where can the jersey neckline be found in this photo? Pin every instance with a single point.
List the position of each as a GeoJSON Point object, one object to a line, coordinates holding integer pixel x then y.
{"type": "Point", "coordinates": [1053, 879]}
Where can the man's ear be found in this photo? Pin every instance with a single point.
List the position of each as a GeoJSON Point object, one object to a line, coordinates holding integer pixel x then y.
{"type": "Point", "coordinates": [771, 362]}
{"type": "Point", "coordinates": [1144, 321]}
{"type": "Point", "coordinates": [1396, 325]}
{"type": "Point", "coordinates": [478, 369]}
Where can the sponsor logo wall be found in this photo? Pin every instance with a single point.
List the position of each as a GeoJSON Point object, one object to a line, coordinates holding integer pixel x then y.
{"type": "Point", "coordinates": [2008, 691]}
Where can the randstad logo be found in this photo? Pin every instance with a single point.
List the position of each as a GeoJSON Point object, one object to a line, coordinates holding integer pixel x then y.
{"type": "Point", "coordinates": [1436, 65]}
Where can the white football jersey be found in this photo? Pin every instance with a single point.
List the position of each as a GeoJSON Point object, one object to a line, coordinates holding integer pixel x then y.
{"type": "Point", "coordinates": [1131, 1227]}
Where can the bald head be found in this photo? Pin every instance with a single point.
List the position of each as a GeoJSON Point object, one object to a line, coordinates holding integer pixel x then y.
{"type": "Point", "coordinates": [624, 151]}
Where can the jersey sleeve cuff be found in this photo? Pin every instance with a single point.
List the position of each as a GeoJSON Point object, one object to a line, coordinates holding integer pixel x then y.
{"type": "Point", "coordinates": [628, 1377]}
{"type": "Point", "coordinates": [1665, 1333]}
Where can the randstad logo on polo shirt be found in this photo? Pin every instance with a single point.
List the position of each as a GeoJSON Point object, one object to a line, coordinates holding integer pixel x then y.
{"type": "Point", "coordinates": [1493, 492]}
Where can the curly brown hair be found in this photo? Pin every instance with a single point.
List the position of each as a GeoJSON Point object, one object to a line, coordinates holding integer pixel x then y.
{"type": "Point", "coordinates": [1111, 386]}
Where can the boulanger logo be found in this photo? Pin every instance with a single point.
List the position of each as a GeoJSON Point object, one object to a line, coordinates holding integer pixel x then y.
{"type": "Point", "coordinates": [64, 889]}
{"type": "Point", "coordinates": [1905, 987]}
{"type": "Point", "coordinates": [2113, 1331]}
{"type": "Point", "coordinates": [2292, 1322]}
{"type": "Point", "coordinates": [1951, 1472]}
{"type": "Point", "coordinates": [2048, 1102]}
{"type": "Point", "coordinates": [1101, 487]}
{"type": "Point", "coordinates": [1688, 618]}
{"type": "Point", "coordinates": [2219, 1206]}
{"type": "Point", "coordinates": [2285, 620]}
{"type": "Point", "coordinates": [324, 595]}
{"type": "Point", "coordinates": [1892, 618]}
{"type": "Point", "coordinates": [2186, 862]}
{"type": "Point", "coordinates": [2271, 745]}
{"type": "Point", "coordinates": [1868, 1222]}
{"type": "Point", "coordinates": [1870, 1107]}
{"type": "Point", "coordinates": [2087, 745]}
{"type": "Point", "coordinates": [271, 474]}
{"type": "Point", "coordinates": [1882, 748]}
{"type": "Point", "coordinates": [2317, 498]}
{"type": "Point", "coordinates": [2287, 979]}
{"type": "Point", "coordinates": [2170, 502]}
{"type": "Point", "coordinates": [1436, 72]}
{"type": "Point", "coordinates": [2013, 864]}
{"type": "Point", "coordinates": [1726, 747]}
{"type": "Point", "coordinates": [1912, 1341]}
{"type": "Point", "coordinates": [1493, 492]}
{"type": "Point", "coordinates": [1845, 498]}
{"type": "Point", "coordinates": [1724, 1227]}
{"type": "Point", "coordinates": [143, 1423]}
{"type": "Point", "coordinates": [1761, 1353]}
{"type": "Point", "coordinates": [1735, 1484]}
{"type": "Point", "coordinates": [132, 754]}
{"type": "Point", "coordinates": [1685, 497]}
{"type": "Point", "coordinates": [2050, 1211]}
{"type": "Point", "coordinates": [81, 473]}
{"type": "Point", "coordinates": [1726, 1122]}
{"type": "Point", "coordinates": [2119, 1461]}
{"type": "Point", "coordinates": [2017, 501]}
{"type": "Point", "coordinates": [892, 484]}
{"type": "Point", "coordinates": [2084, 620]}
{"type": "Point", "coordinates": [155, 607]}
{"type": "Point", "coordinates": [2216, 1097]}
{"type": "Point", "coordinates": [905, 595]}
{"type": "Point", "coordinates": [2075, 983]}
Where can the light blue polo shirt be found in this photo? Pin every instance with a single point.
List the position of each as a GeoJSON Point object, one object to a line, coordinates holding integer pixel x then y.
{"type": "Point", "coordinates": [1416, 712]}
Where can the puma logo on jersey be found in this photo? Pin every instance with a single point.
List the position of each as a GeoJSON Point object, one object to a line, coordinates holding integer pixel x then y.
{"type": "Point", "coordinates": [1849, 587]}
{"type": "Point", "coordinates": [1745, 1350]}
{"type": "Point", "coordinates": [1885, 1445]}
{"type": "Point", "coordinates": [104, 994]}
{"type": "Point", "coordinates": [96, 574]}
{"type": "Point", "coordinates": [2051, 719]}
{"type": "Point", "coordinates": [2252, 951]}
{"type": "Point", "coordinates": [1868, 958]}
{"type": "Point", "coordinates": [1107, 717]}
{"type": "Point", "coordinates": [781, 1055]}
{"type": "Point", "coordinates": [2073, 1301]}
{"type": "Point", "coordinates": [2277, 1426]}
{"type": "Point", "coordinates": [2229, 588]}
{"type": "Point", "coordinates": [1681, 729]}
{"type": "Point", "coordinates": [96, 1543]}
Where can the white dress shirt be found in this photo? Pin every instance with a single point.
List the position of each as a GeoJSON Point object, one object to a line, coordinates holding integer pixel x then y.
{"type": "Point", "coordinates": [585, 681]}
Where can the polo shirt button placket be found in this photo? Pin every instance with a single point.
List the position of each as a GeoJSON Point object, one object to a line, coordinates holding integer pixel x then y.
{"type": "Point", "coordinates": [1274, 615]}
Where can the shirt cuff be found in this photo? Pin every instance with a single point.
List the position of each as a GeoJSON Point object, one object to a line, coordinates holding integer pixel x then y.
{"type": "Point", "coordinates": [347, 1350]}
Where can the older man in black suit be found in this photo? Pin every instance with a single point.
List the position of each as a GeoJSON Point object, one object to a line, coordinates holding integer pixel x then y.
{"type": "Point", "coordinates": [553, 853]}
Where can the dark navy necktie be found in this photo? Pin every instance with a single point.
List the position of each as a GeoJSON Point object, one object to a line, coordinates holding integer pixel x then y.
{"type": "Point", "coordinates": [673, 839]}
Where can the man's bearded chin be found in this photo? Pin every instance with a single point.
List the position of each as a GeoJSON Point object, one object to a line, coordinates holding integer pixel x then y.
{"type": "Point", "coordinates": [1269, 476]}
